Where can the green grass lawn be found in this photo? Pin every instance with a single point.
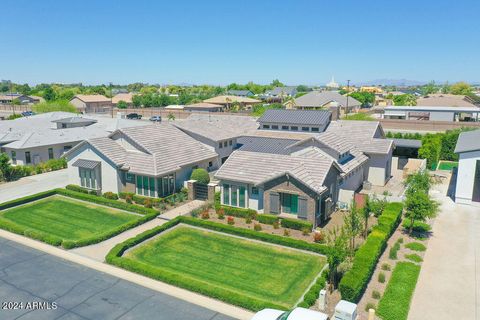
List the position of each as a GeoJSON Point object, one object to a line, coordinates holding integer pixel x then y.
{"type": "Point", "coordinates": [395, 302]}
{"type": "Point", "coordinates": [229, 268]}
{"type": "Point", "coordinates": [447, 165]}
{"type": "Point", "coordinates": [66, 218]}
{"type": "Point", "coordinates": [416, 246]}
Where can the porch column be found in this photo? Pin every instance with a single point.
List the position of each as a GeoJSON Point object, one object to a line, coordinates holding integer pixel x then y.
{"type": "Point", "coordinates": [191, 190]}
{"type": "Point", "coordinates": [211, 192]}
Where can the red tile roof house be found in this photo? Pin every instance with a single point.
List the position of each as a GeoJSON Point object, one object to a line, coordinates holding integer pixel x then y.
{"type": "Point", "coordinates": [92, 103]}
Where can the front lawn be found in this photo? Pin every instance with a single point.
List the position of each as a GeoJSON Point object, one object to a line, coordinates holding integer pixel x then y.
{"type": "Point", "coordinates": [447, 165]}
{"type": "Point", "coordinates": [64, 219]}
{"type": "Point", "coordinates": [240, 271]}
{"type": "Point", "coordinates": [395, 303]}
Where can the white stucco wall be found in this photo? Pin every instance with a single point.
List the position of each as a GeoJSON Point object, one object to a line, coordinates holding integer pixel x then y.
{"type": "Point", "coordinates": [354, 181]}
{"type": "Point", "coordinates": [466, 176]}
{"type": "Point", "coordinates": [379, 168]}
{"type": "Point", "coordinates": [109, 178]}
{"type": "Point", "coordinates": [40, 154]}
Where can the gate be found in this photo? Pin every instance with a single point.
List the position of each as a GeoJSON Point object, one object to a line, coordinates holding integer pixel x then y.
{"type": "Point", "coordinates": [201, 191]}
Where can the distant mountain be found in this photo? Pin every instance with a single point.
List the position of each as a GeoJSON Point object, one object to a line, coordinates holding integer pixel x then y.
{"type": "Point", "coordinates": [392, 82]}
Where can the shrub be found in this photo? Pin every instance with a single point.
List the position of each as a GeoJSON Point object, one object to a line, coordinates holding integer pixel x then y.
{"type": "Point", "coordinates": [392, 254]}
{"type": "Point", "coordinates": [230, 220]}
{"type": "Point", "coordinates": [237, 212]}
{"type": "Point", "coordinates": [306, 231]}
{"type": "Point", "coordinates": [147, 203]}
{"type": "Point", "coordinates": [110, 195]}
{"type": "Point", "coordinates": [76, 188]}
{"type": "Point", "coordinates": [416, 246]}
{"type": "Point", "coordinates": [205, 215]}
{"type": "Point", "coordinates": [414, 257]}
{"type": "Point", "coordinates": [200, 175]}
{"type": "Point", "coordinates": [276, 225]}
{"type": "Point", "coordinates": [124, 195]}
{"type": "Point", "coordinates": [267, 218]}
{"type": "Point", "coordinates": [386, 267]}
{"type": "Point", "coordinates": [376, 294]}
{"type": "Point", "coordinates": [296, 224]}
{"type": "Point", "coordinates": [312, 294]}
{"type": "Point", "coordinates": [286, 232]}
{"type": "Point", "coordinates": [128, 199]}
{"type": "Point", "coordinates": [381, 277]}
{"type": "Point", "coordinates": [221, 214]}
{"type": "Point", "coordinates": [418, 226]}
{"type": "Point", "coordinates": [27, 199]}
{"type": "Point", "coordinates": [355, 280]}
{"type": "Point", "coordinates": [257, 227]}
{"type": "Point", "coordinates": [370, 305]}
{"type": "Point", "coordinates": [318, 237]}
{"type": "Point", "coordinates": [248, 220]}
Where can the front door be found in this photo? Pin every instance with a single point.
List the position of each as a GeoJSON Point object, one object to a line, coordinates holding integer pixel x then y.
{"type": "Point", "coordinates": [289, 203]}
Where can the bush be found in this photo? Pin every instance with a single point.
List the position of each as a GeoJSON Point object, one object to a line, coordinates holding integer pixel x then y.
{"type": "Point", "coordinates": [200, 175]}
{"type": "Point", "coordinates": [376, 295]}
{"type": "Point", "coordinates": [392, 254]}
{"type": "Point", "coordinates": [257, 227]}
{"type": "Point", "coordinates": [27, 199]}
{"type": "Point", "coordinates": [416, 246]}
{"type": "Point", "coordinates": [77, 188]}
{"type": "Point", "coordinates": [355, 280]}
{"type": "Point", "coordinates": [267, 218]}
{"type": "Point", "coordinates": [276, 225]}
{"type": "Point", "coordinates": [128, 199]}
{"type": "Point", "coordinates": [147, 203]}
{"type": "Point", "coordinates": [306, 231]}
{"type": "Point", "coordinates": [110, 195]}
{"type": "Point", "coordinates": [230, 220]}
{"type": "Point", "coordinates": [237, 212]}
{"type": "Point", "coordinates": [286, 232]}
{"type": "Point", "coordinates": [124, 195]}
{"type": "Point", "coordinates": [312, 294]}
{"type": "Point", "coordinates": [205, 215]}
{"type": "Point", "coordinates": [414, 257]}
{"type": "Point", "coordinates": [248, 220]}
{"type": "Point", "coordinates": [386, 267]}
{"type": "Point", "coordinates": [418, 226]}
{"type": "Point", "coordinates": [370, 305]}
{"type": "Point", "coordinates": [318, 237]}
{"type": "Point", "coordinates": [296, 224]}
{"type": "Point", "coordinates": [381, 277]}
{"type": "Point", "coordinates": [221, 214]}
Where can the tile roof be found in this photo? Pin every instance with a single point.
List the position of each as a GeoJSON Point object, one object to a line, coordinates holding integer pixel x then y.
{"type": "Point", "coordinates": [449, 100]}
{"type": "Point", "coordinates": [407, 143]}
{"type": "Point", "coordinates": [258, 168]}
{"type": "Point", "coordinates": [228, 99]}
{"type": "Point", "coordinates": [296, 117]}
{"type": "Point", "coordinates": [319, 99]}
{"type": "Point", "coordinates": [265, 145]}
{"type": "Point", "coordinates": [287, 90]}
{"type": "Point", "coordinates": [92, 98]}
{"type": "Point", "coordinates": [468, 141]}
{"type": "Point", "coordinates": [127, 97]}
{"type": "Point", "coordinates": [87, 164]}
{"type": "Point", "coordinates": [75, 120]}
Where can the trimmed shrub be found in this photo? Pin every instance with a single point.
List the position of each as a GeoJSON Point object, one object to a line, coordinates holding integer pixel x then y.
{"type": "Point", "coordinates": [296, 224]}
{"type": "Point", "coordinates": [381, 277]}
{"type": "Point", "coordinates": [318, 237]}
{"type": "Point", "coordinates": [128, 199]}
{"type": "Point", "coordinates": [147, 203]}
{"type": "Point", "coordinates": [76, 188]}
{"type": "Point", "coordinates": [27, 199]}
{"type": "Point", "coordinates": [237, 212]}
{"type": "Point", "coordinates": [221, 214]}
{"type": "Point", "coordinates": [257, 227]}
{"type": "Point", "coordinates": [416, 246]}
{"type": "Point", "coordinates": [386, 267]}
{"type": "Point", "coordinates": [124, 195]}
{"type": "Point", "coordinates": [370, 305]}
{"type": "Point", "coordinates": [230, 220]}
{"type": "Point", "coordinates": [355, 280]}
{"type": "Point", "coordinates": [267, 218]}
{"type": "Point", "coordinates": [306, 231]}
{"type": "Point", "coordinates": [376, 295]}
{"type": "Point", "coordinates": [312, 294]}
{"type": "Point", "coordinates": [286, 232]}
{"type": "Point", "coordinates": [276, 225]}
{"type": "Point", "coordinates": [205, 215]}
{"type": "Point", "coordinates": [414, 257]}
{"type": "Point", "coordinates": [110, 195]}
{"type": "Point", "coordinates": [200, 175]}
{"type": "Point", "coordinates": [418, 226]}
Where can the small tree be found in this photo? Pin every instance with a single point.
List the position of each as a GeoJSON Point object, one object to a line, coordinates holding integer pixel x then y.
{"type": "Point", "coordinates": [171, 116]}
{"type": "Point", "coordinates": [353, 224]}
{"type": "Point", "coordinates": [366, 211]}
{"type": "Point", "coordinates": [377, 205]}
{"type": "Point", "coordinates": [337, 244]}
{"type": "Point", "coordinates": [5, 167]}
{"type": "Point", "coordinates": [122, 105]}
{"type": "Point", "coordinates": [201, 175]}
{"type": "Point", "coordinates": [419, 207]}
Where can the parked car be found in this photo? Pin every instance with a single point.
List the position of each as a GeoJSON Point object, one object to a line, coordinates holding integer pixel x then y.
{"type": "Point", "coordinates": [295, 314]}
{"type": "Point", "coordinates": [134, 116]}
{"type": "Point", "coordinates": [28, 113]}
{"type": "Point", "coordinates": [156, 118]}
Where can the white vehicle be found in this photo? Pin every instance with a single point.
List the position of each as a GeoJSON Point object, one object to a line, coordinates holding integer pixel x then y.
{"type": "Point", "coordinates": [345, 310]}
{"type": "Point", "coordinates": [295, 314]}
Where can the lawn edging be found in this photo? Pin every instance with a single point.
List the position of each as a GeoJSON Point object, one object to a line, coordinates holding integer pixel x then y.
{"type": "Point", "coordinates": [396, 300]}
{"type": "Point", "coordinates": [114, 257]}
{"type": "Point", "coordinates": [148, 214]}
{"type": "Point", "coordinates": [355, 281]}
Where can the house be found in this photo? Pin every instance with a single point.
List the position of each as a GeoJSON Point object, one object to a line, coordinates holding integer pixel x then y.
{"type": "Point", "coordinates": [326, 100]}
{"type": "Point", "coordinates": [228, 100]}
{"type": "Point", "coordinates": [371, 89]}
{"type": "Point", "coordinates": [295, 120]}
{"type": "Point", "coordinates": [126, 97]}
{"type": "Point", "coordinates": [153, 160]}
{"type": "Point", "coordinates": [446, 100]}
{"type": "Point", "coordinates": [240, 93]}
{"type": "Point", "coordinates": [431, 113]}
{"type": "Point", "coordinates": [204, 107]}
{"type": "Point", "coordinates": [220, 132]}
{"type": "Point", "coordinates": [23, 99]}
{"type": "Point", "coordinates": [92, 103]}
{"type": "Point", "coordinates": [282, 92]}
{"type": "Point", "coordinates": [467, 189]}
{"type": "Point", "coordinates": [306, 178]}
{"type": "Point", "coordinates": [35, 139]}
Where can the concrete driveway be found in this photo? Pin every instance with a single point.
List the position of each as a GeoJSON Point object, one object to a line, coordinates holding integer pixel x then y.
{"type": "Point", "coordinates": [33, 184]}
{"type": "Point", "coordinates": [28, 275]}
{"type": "Point", "coordinates": [449, 280]}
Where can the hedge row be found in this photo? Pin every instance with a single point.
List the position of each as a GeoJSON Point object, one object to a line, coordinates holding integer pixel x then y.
{"type": "Point", "coordinates": [355, 280]}
{"type": "Point", "coordinates": [171, 199]}
{"type": "Point", "coordinates": [27, 199]}
{"type": "Point", "coordinates": [115, 257]}
{"type": "Point", "coordinates": [267, 218]}
{"type": "Point", "coordinates": [236, 212]}
{"type": "Point", "coordinates": [311, 295]}
{"type": "Point", "coordinates": [74, 187]}
{"type": "Point", "coordinates": [296, 224]}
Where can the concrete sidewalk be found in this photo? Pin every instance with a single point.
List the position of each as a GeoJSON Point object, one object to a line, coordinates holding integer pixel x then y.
{"type": "Point", "coordinates": [197, 299]}
{"type": "Point", "coordinates": [33, 184]}
{"type": "Point", "coordinates": [99, 251]}
{"type": "Point", "coordinates": [449, 280]}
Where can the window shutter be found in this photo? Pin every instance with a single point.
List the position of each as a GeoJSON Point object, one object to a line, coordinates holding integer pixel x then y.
{"type": "Point", "coordinates": [274, 202]}
{"type": "Point", "coordinates": [302, 208]}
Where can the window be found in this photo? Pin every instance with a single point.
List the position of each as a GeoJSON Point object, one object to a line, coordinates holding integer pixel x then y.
{"type": "Point", "coordinates": [294, 128]}
{"type": "Point", "coordinates": [50, 153]}
{"type": "Point", "coordinates": [64, 125]}
{"type": "Point", "coordinates": [305, 129]}
{"type": "Point", "coordinates": [166, 185]}
{"type": "Point", "coordinates": [130, 177]}
{"type": "Point", "coordinates": [14, 157]}
{"type": "Point", "coordinates": [225, 143]}
{"type": "Point", "coordinates": [284, 127]}
{"type": "Point", "coordinates": [2, 150]}
{"type": "Point", "coordinates": [234, 198]}
{"type": "Point", "coordinates": [266, 126]}
{"type": "Point", "coordinates": [230, 142]}
{"type": "Point", "coordinates": [66, 148]}
{"type": "Point", "coordinates": [226, 194]}
{"type": "Point", "coordinates": [210, 164]}
{"type": "Point", "coordinates": [28, 158]}
{"type": "Point", "coordinates": [220, 145]}
{"type": "Point", "coordinates": [275, 127]}
{"type": "Point", "coordinates": [289, 203]}
{"type": "Point", "coordinates": [315, 129]}
{"type": "Point", "coordinates": [254, 190]}
{"type": "Point", "coordinates": [88, 178]}
{"type": "Point", "coordinates": [241, 197]}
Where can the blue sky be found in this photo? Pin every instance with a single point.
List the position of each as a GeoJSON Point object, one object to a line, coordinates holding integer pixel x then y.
{"type": "Point", "coordinates": [218, 42]}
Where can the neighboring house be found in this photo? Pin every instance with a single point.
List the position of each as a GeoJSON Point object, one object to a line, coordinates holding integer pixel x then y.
{"type": "Point", "coordinates": [153, 160]}
{"type": "Point", "coordinates": [228, 100]}
{"type": "Point", "coordinates": [204, 107]}
{"type": "Point", "coordinates": [23, 99]}
{"type": "Point", "coordinates": [218, 131]}
{"type": "Point", "coordinates": [446, 100]}
{"type": "Point", "coordinates": [430, 113]}
{"type": "Point", "coordinates": [281, 92]}
{"type": "Point", "coordinates": [295, 120]}
{"type": "Point", "coordinates": [35, 139]}
{"type": "Point", "coordinates": [126, 97]}
{"type": "Point", "coordinates": [326, 100]}
{"type": "Point", "coordinates": [240, 93]}
{"type": "Point", "coordinates": [92, 103]}
{"type": "Point", "coordinates": [467, 189]}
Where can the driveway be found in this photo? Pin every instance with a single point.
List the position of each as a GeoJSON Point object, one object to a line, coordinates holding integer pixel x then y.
{"type": "Point", "coordinates": [28, 275]}
{"type": "Point", "coordinates": [450, 277]}
{"type": "Point", "coordinates": [33, 184]}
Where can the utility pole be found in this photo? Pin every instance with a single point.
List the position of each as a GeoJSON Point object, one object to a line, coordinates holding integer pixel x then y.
{"type": "Point", "coordinates": [348, 93]}
{"type": "Point", "coordinates": [111, 99]}
{"type": "Point", "coordinates": [11, 96]}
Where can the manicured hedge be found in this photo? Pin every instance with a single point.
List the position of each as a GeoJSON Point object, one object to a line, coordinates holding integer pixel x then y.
{"type": "Point", "coordinates": [311, 295]}
{"type": "Point", "coordinates": [355, 280]}
{"type": "Point", "coordinates": [27, 199]}
{"type": "Point", "coordinates": [74, 187]}
{"type": "Point", "coordinates": [237, 212]}
{"type": "Point", "coordinates": [296, 224]}
{"type": "Point", "coordinates": [267, 218]}
{"type": "Point", "coordinates": [115, 257]}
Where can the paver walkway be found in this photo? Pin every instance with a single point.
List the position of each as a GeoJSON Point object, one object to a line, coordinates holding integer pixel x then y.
{"type": "Point", "coordinates": [449, 281]}
{"type": "Point", "coordinates": [99, 251]}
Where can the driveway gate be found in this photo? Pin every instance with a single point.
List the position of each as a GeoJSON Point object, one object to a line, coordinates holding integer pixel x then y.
{"type": "Point", "coordinates": [201, 191]}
